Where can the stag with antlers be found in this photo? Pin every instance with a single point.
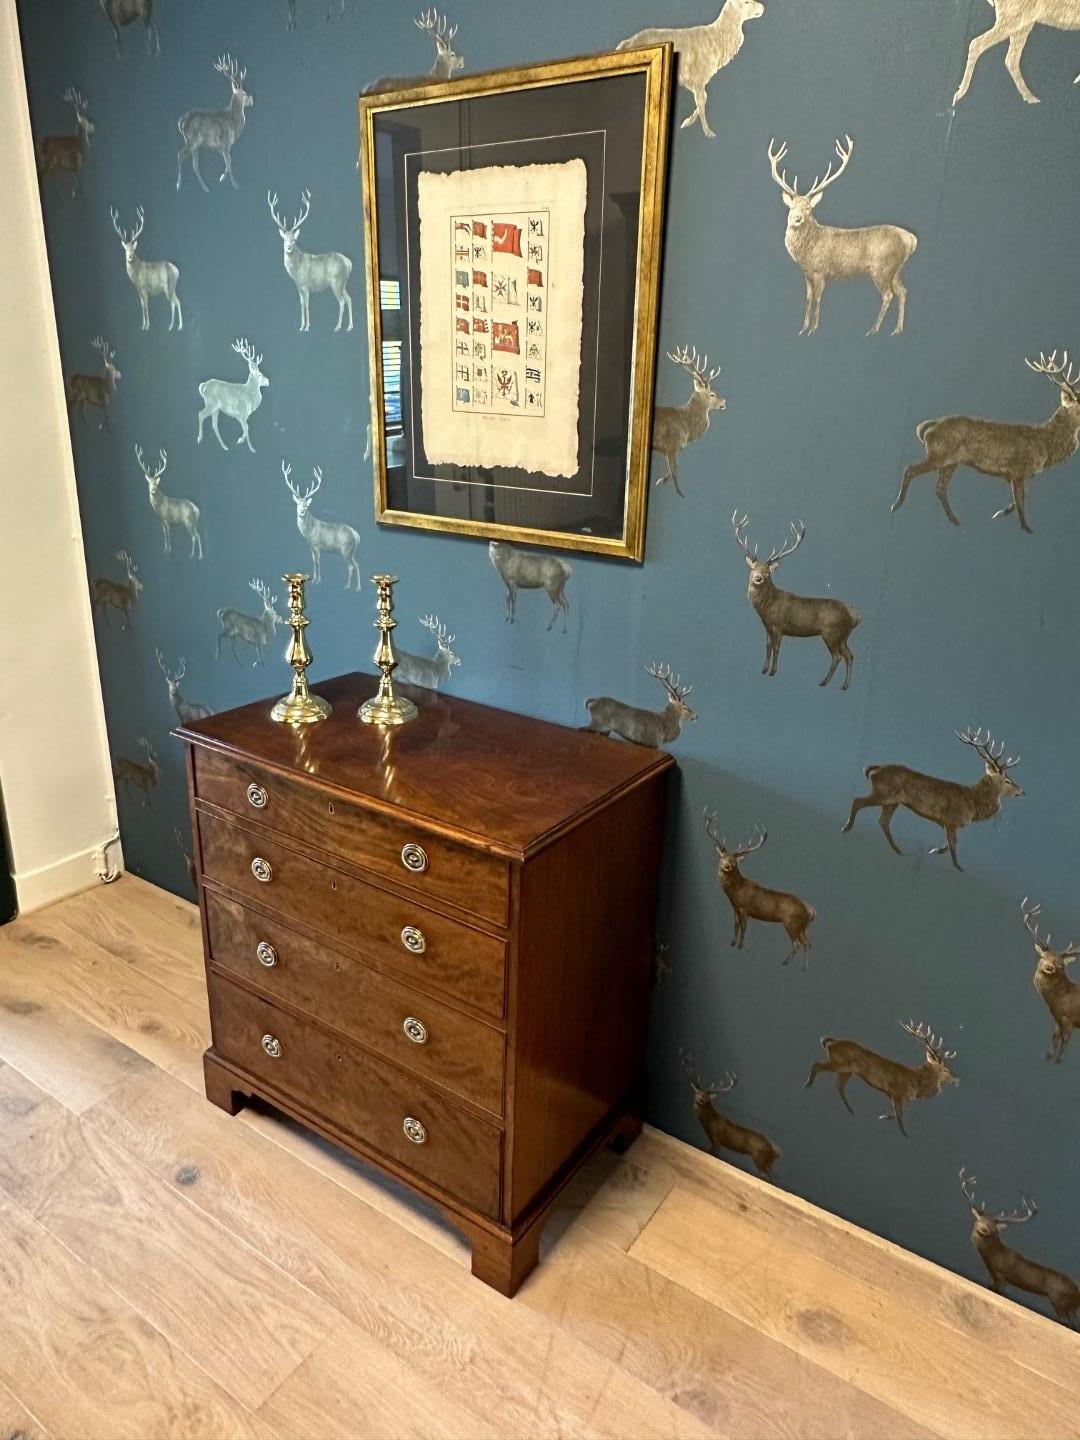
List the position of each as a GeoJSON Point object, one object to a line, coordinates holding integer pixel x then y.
{"type": "Point", "coordinates": [644, 727]}
{"type": "Point", "coordinates": [108, 595]}
{"type": "Point", "coordinates": [899, 1082]}
{"type": "Point", "coordinates": [84, 390]}
{"type": "Point", "coordinates": [751, 901]}
{"type": "Point", "coordinates": [66, 153]}
{"type": "Point", "coordinates": [1014, 21]}
{"type": "Point", "coordinates": [187, 711]}
{"type": "Point", "coordinates": [150, 277]}
{"type": "Point", "coordinates": [943, 802]}
{"type": "Point", "coordinates": [429, 671]}
{"type": "Point", "coordinates": [782, 613]}
{"type": "Point", "coordinates": [169, 510]}
{"type": "Point", "coordinates": [323, 534]}
{"type": "Point", "coordinates": [677, 426]}
{"type": "Point", "coordinates": [255, 630]}
{"type": "Point", "coordinates": [827, 252]}
{"type": "Point", "coordinates": [309, 271]}
{"type": "Point", "coordinates": [446, 59]}
{"type": "Point", "coordinates": [722, 1132]}
{"type": "Point", "coordinates": [1013, 453]}
{"type": "Point", "coordinates": [239, 399]}
{"type": "Point", "coordinates": [215, 129]}
{"type": "Point", "coordinates": [136, 775]}
{"type": "Point", "coordinates": [1006, 1266]}
{"type": "Point", "coordinates": [1060, 994]}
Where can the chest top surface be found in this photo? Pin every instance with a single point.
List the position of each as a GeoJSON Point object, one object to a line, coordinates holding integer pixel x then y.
{"type": "Point", "coordinates": [486, 774]}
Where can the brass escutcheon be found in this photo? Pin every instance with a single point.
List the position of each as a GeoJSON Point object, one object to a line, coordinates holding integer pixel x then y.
{"type": "Point", "coordinates": [272, 1045]}
{"type": "Point", "coordinates": [257, 796]}
{"type": "Point", "coordinates": [415, 1029]}
{"type": "Point", "coordinates": [414, 858]}
{"type": "Point", "coordinates": [414, 1131]}
{"type": "Point", "coordinates": [265, 953]}
{"type": "Point", "coordinates": [413, 939]}
{"type": "Point", "coordinates": [260, 868]}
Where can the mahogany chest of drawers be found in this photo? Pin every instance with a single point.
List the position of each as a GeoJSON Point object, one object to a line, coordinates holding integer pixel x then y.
{"type": "Point", "coordinates": [432, 945]}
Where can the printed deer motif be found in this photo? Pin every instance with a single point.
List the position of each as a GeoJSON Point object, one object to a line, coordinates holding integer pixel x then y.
{"type": "Point", "coordinates": [256, 630]}
{"type": "Point", "coordinates": [429, 671]}
{"type": "Point", "coordinates": [168, 510]}
{"type": "Point", "coordinates": [308, 271]}
{"type": "Point", "coordinates": [722, 1132]}
{"type": "Point", "coordinates": [827, 252]}
{"type": "Point", "coordinates": [643, 727]}
{"type": "Point", "coordinates": [751, 901]}
{"type": "Point", "coordinates": [1013, 453]}
{"type": "Point", "coordinates": [943, 802]}
{"type": "Point", "coordinates": [150, 277]}
{"type": "Point", "coordinates": [1014, 21]}
{"type": "Point", "coordinates": [56, 153]}
{"type": "Point", "coordinates": [446, 60]}
{"type": "Point", "coordinates": [797, 615]}
{"type": "Point", "coordinates": [119, 595]}
{"type": "Point", "coordinates": [677, 426]}
{"type": "Point", "coordinates": [126, 12]}
{"type": "Point", "coordinates": [84, 390]}
{"type": "Point", "coordinates": [1061, 995]}
{"type": "Point", "coordinates": [702, 50]}
{"type": "Point", "coordinates": [135, 774]}
{"type": "Point", "coordinates": [522, 570]}
{"type": "Point", "coordinates": [239, 399]}
{"type": "Point", "coordinates": [186, 710]}
{"type": "Point", "coordinates": [1006, 1266]}
{"type": "Point", "coordinates": [323, 534]}
{"type": "Point", "coordinates": [215, 129]}
{"type": "Point", "coordinates": [899, 1082]}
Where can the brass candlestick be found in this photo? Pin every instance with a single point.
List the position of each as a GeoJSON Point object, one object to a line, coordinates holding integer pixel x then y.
{"type": "Point", "coordinates": [386, 708]}
{"type": "Point", "coordinates": [299, 707]}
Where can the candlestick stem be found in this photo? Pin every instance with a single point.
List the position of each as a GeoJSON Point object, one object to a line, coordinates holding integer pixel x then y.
{"type": "Point", "coordinates": [386, 708]}
{"type": "Point", "coordinates": [299, 707]}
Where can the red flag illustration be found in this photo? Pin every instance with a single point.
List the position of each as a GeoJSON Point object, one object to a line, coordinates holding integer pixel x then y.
{"type": "Point", "coordinates": [504, 335]}
{"type": "Point", "coordinates": [479, 277]}
{"type": "Point", "coordinates": [506, 238]}
{"type": "Point", "coordinates": [480, 327]}
{"type": "Point", "coordinates": [463, 324]}
{"type": "Point", "coordinates": [535, 277]}
{"type": "Point", "coordinates": [480, 229]}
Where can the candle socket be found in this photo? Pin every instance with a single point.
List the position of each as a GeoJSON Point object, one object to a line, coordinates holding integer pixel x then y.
{"type": "Point", "coordinates": [299, 707]}
{"type": "Point", "coordinates": [384, 707]}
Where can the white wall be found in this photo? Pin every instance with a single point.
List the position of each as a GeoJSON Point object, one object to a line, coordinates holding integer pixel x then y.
{"type": "Point", "coordinates": [54, 760]}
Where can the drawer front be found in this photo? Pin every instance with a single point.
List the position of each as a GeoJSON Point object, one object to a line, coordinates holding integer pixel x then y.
{"type": "Point", "coordinates": [416, 1032]}
{"type": "Point", "coordinates": [391, 848]}
{"type": "Point", "coordinates": [457, 1151]}
{"type": "Point", "coordinates": [427, 949]}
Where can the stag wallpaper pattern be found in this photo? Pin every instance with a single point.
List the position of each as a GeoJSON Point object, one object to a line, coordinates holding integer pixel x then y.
{"type": "Point", "coordinates": [923, 202]}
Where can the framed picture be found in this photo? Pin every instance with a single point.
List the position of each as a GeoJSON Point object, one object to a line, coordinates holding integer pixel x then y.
{"type": "Point", "coordinates": [513, 234]}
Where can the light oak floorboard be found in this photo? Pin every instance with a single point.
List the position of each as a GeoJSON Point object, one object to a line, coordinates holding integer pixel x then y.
{"type": "Point", "coordinates": [16, 1422]}
{"type": "Point", "coordinates": [161, 952]}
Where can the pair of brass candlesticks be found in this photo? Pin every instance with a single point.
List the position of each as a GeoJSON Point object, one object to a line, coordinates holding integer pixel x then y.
{"type": "Point", "coordinates": [300, 706]}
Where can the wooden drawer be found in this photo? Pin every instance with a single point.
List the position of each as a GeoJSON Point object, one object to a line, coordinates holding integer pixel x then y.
{"type": "Point", "coordinates": [454, 959]}
{"type": "Point", "coordinates": [370, 1100]}
{"type": "Point", "coordinates": [477, 882]}
{"type": "Point", "coordinates": [454, 1050]}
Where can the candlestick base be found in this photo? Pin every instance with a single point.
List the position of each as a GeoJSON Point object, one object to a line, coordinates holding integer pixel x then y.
{"type": "Point", "coordinates": [387, 710]}
{"type": "Point", "coordinates": [296, 709]}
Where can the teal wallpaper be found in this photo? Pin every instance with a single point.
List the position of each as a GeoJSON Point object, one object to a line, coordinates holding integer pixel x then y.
{"type": "Point", "coordinates": [836, 170]}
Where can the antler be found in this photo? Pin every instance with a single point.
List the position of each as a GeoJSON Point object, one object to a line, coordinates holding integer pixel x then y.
{"type": "Point", "coordinates": [435, 24]}
{"type": "Point", "coordinates": [1061, 374]}
{"type": "Point", "coordinates": [286, 471]}
{"type": "Point", "coordinates": [730, 1081]}
{"type": "Point", "coordinates": [247, 350]}
{"type": "Point", "coordinates": [260, 587]}
{"type": "Point", "coordinates": [75, 97]}
{"type": "Point", "coordinates": [172, 679]}
{"type": "Point", "coordinates": [305, 203]}
{"type": "Point", "coordinates": [437, 628]}
{"type": "Point", "coordinates": [125, 238]}
{"type": "Point", "coordinates": [984, 748]}
{"type": "Point", "coordinates": [226, 65]}
{"type": "Point", "coordinates": [98, 343]}
{"type": "Point", "coordinates": [738, 525]}
{"type": "Point", "coordinates": [721, 843]}
{"type": "Point", "coordinates": [775, 156]}
{"type": "Point", "coordinates": [798, 530]}
{"type": "Point", "coordinates": [967, 1185]}
{"type": "Point", "coordinates": [930, 1042]}
{"type": "Point", "coordinates": [692, 361]}
{"type": "Point", "coordinates": [1031, 913]}
{"type": "Point", "coordinates": [145, 743]}
{"type": "Point", "coordinates": [157, 474]}
{"type": "Point", "coordinates": [819, 184]}
{"type": "Point", "coordinates": [662, 673]}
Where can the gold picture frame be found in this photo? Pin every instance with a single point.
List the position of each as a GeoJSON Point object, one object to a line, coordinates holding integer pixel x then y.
{"type": "Point", "coordinates": [627, 342]}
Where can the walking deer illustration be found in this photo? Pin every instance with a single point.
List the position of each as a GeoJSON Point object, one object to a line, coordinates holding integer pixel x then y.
{"type": "Point", "coordinates": [1061, 995]}
{"type": "Point", "coordinates": [644, 727]}
{"type": "Point", "coordinates": [126, 12]}
{"type": "Point", "coordinates": [255, 630]}
{"type": "Point", "coordinates": [84, 390]}
{"type": "Point", "coordinates": [150, 277]}
{"type": "Point", "coordinates": [56, 153]}
{"type": "Point", "coordinates": [108, 595]}
{"type": "Point", "coordinates": [135, 774]}
{"type": "Point", "coordinates": [447, 61]}
{"type": "Point", "coordinates": [1006, 1266]}
{"type": "Point", "coordinates": [323, 534]}
{"type": "Point", "coordinates": [1014, 21]}
{"type": "Point", "coordinates": [523, 570]}
{"type": "Point", "coordinates": [308, 271]}
{"type": "Point", "coordinates": [702, 50]}
{"type": "Point", "coordinates": [677, 426]}
{"type": "Point", "coordinates": [239, 399]}
{"type": "Point", "coordinates": [722, 1132]}
{"type": "Point", "coordinates": [168, 510]}
{"type": "Point", "coordinates": [186, 710]}
{"type": "Point", "coordinates": [943, 802]}
{"type": "Point", "coordinates": [429, 671]}
{"type": "Point", "coordinates": [782, 613]}
{"type": "Point", "coordinates": [751, 901]}
{"type": "Point", "coordinates": [215, 129]}
{"type": "Point", "coordinates": [1013, 453]}
{"type": "Point", "coordinates": [899, 1082]}
{"type": "Point", "coordinates": [827, 252]}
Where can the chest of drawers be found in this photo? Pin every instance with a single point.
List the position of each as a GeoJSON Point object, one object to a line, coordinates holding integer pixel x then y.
{"type": "Point", "coordinates": [432, 945]}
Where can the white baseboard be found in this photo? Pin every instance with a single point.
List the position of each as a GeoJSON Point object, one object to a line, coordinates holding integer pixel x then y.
{"type": "Point", "coordinates": [37, 888]}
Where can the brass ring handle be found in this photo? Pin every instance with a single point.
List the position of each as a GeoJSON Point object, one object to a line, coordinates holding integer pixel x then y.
{"type": "Point", "coordinates": [415, 1029]}
{"type": "Point", "coordinates": [257, 796]}
{"type": "Point", "coordinates": [272, 1045]}
{"type": "Point", "coordinates": [414, 858]}
{"type": "Point", "coordinates": [262, 870]}
{"type": "Point", "coordinates": [414, 1131]}
{"type": "Point", "coordinates": [265, 953]}
{"type": "Point", "coordinates": [413, 940]}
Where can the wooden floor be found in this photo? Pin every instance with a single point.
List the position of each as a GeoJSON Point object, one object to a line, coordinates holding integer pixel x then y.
{"type": "Point", "coordinates": [167, 1271]}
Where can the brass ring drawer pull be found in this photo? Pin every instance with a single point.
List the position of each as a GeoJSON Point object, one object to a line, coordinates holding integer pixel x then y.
{"type": "Point", "coordinates": [265, 953]}
{"type": "Point", "coordinates": [415, 1029]}
{"type": "Point", "coordinates": [414, 1131]}
{"type": "Point", "coordinates": [414, 858]}
{"type": "Point", "coordinates": [413, 939]}
{"type": "Point", "coordinates": [257, 796]}
{"type": "Point", "coordinates": [272, 1045]}
{"type": "Point", "coordinates": [260, 868]}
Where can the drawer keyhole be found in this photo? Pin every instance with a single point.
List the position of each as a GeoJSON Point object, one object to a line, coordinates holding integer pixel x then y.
{"type": "Point", "coordinates": [330, 807]}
